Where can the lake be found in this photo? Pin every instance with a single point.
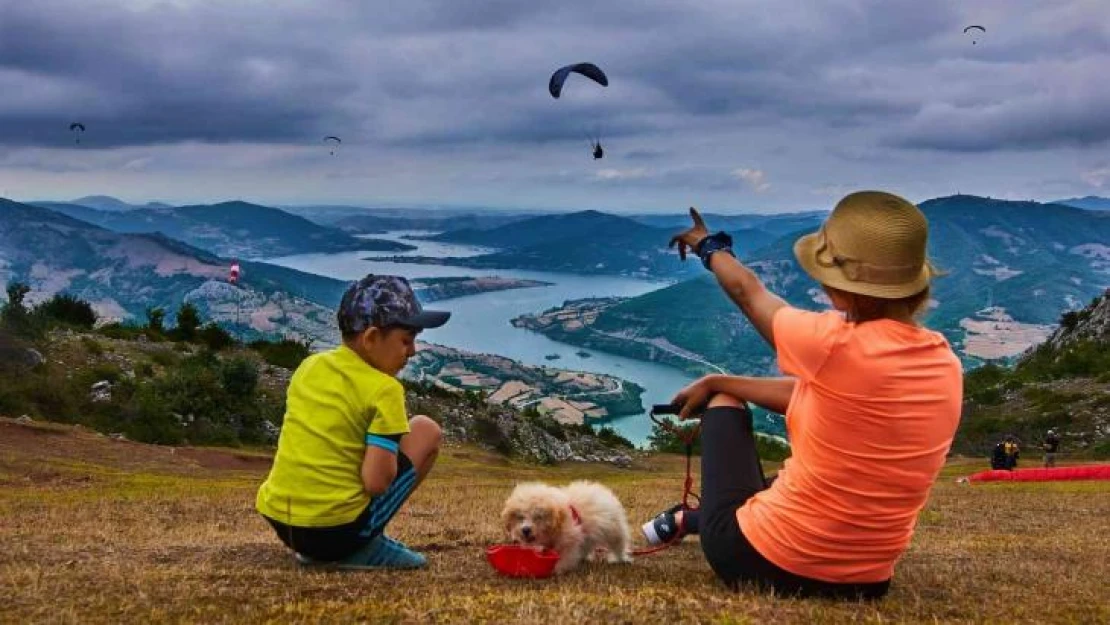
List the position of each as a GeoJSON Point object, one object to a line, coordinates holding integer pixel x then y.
{"type": "Point", "coordinates": [480, 323]}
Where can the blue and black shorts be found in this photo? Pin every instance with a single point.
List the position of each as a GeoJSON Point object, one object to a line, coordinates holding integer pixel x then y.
{"type": "Point", "coordinates": [335, 543]}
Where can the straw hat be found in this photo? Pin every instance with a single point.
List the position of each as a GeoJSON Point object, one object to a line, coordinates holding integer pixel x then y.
{"type": "Point", "coordinates": [873, 243]}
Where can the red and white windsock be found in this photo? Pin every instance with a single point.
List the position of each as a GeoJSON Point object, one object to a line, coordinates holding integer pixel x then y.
{"type": "Point", "coordinates": [233, 273]}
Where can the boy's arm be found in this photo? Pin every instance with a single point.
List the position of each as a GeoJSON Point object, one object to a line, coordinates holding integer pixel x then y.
{"type": "Point", "coordinates": [383, 438]}
{"type": "Point", "coordinates": [379, 464]}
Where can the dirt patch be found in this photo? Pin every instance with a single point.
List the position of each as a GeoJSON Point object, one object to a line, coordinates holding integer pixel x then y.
{"type": "Point", "coordinates": [78, 445]}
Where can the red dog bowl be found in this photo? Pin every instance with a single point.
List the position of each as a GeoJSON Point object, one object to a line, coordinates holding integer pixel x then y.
{"type": "Point", "coordinates": [521, 561]}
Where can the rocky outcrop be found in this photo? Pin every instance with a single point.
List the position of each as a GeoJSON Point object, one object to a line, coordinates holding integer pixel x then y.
{"type": "Point", "coordinates": [1089, 324]}
{"type": "Point", "coordinates": [466, 420]}
{"type": "Point", "coordinates": [17, 355]}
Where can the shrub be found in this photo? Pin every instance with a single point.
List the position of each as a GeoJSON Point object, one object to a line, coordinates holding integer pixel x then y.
{"type": "Point", "coordinates": [121, 331]}
{"type": "Point", "coordinates": [547, 423]}
{"type": "Point", "coordinates": [155, 321]}
{"type": "Point", "coordinates": [215, 337]}
{"type": "Point", "coordinates": [239, 377]}
{"type": "Point", "coordinates": [286, 353]}
{"type": "Point", "coordinates": [188, 322]}
{"type": "Point", "coordinates": [151, 420]}
{"type": "Point", "coordinates": [63, 309]}
{"type": "Point", "coordinates": [163, 357]}
{"type": "Point", "coordinates": [92, 346]}
{"type": "Point", "coordinates": [487, 432]}
{"type": "Point", "coordinates": [667, 441]}
{"type": "Point", "coordinates": [612, 438]}
{"type": "Point", "coordinates": [771, 449]}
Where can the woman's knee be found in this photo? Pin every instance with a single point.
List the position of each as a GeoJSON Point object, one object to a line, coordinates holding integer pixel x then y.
{"type": "Point", "coordinates": [721, 400]}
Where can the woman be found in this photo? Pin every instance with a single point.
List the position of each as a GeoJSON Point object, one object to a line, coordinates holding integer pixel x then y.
{"type": "Point", "coordinates": [872, 402]}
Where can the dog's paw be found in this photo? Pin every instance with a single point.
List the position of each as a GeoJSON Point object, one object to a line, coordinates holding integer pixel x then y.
{"type": "Point", "coordinates": [618, 558]}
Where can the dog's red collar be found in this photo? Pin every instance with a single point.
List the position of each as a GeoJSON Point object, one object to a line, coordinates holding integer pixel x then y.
{"type": "Point", "coordinates": [574, 515]}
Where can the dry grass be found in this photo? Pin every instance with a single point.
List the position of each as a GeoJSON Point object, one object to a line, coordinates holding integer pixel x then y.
{"type": "Point", "coordinates": [96, 530]}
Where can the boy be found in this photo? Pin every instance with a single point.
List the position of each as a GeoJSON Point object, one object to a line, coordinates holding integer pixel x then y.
{"type": "Point", "coordinates": [348, 456]}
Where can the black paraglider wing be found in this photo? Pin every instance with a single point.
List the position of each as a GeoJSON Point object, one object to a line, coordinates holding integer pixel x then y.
{"type": "Point", "coordinates": [589, 70]}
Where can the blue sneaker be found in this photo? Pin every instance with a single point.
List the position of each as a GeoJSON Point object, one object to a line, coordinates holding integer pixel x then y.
{"type": "Point", "coordinates": [381, 553]}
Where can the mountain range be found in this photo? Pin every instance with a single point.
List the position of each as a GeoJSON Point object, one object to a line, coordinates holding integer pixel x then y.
{"type": "Point", "coordinates": [585, 242]}
{"type": "Point", "coordinates": [414, 220]}
{"type": "Point", "coordinates": [228, 228]}
{"type": "Point", "coordinates": [122, 275]}
{"type": "Point", "coordinates": [109, 203]}
{"type": "Point", "coordinates": [1090, 202]}
{"type": "Point", "coordinates": [1011, 269]}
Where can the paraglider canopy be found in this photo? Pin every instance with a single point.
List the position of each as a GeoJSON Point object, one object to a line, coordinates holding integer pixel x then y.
{"type": "Point", "coordinates": [77, 128]}
{"type": "Point", "coordinates": [333, 141]}
{"type": "Point", "coordinates": [974, 27]}
{"type": "Point", "coordinates": [589, 70]}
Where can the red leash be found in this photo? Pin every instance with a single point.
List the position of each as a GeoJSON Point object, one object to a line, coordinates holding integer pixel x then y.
{"type": "Point", "coordinates": [687, 436]}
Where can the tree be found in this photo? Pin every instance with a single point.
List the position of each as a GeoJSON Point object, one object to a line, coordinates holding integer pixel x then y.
{"type": "Point", "coordinates": [17, 291]}
{"type": "Point", "coordinates": [14, 314]}
{"type": "Point", "coordinates": [155, 320]}
{"type": "Point", "coordinates": [188, 321]}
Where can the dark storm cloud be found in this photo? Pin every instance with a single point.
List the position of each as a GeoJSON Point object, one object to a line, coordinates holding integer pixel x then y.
{"type": "Point", "coordinates": [160, 75]}
{"type": "Point", "coordinates": [442, 73]}
{"type": "Point", "coordinates": [1048, 116]}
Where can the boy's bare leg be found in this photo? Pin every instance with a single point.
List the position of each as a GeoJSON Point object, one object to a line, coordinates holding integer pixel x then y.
{"type": "Point", "coordinates": [421, 445]}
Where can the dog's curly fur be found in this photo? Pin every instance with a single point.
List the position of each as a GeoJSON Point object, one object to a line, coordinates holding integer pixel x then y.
{"type": "Point", "coordinates": [540, 515]}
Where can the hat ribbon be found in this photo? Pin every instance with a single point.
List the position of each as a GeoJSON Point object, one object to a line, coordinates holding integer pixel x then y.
{"type": "Point", "coordinates": [861, 271]}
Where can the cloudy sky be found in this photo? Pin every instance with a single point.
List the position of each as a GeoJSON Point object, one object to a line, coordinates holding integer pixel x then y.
{"type": "Point", "coordinates": [732, 105]}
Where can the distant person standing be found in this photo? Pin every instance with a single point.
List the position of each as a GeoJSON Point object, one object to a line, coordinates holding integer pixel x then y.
{"type": "Point", "coordinates": [1012, 451]}
{"type": "Point", "coordinates": [1051, 446]}
{"type": "Point", "coordinates": [998, 456]}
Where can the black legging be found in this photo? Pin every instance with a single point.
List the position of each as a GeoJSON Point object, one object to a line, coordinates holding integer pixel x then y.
{"type": "Point", "coordinates": [730, 474]}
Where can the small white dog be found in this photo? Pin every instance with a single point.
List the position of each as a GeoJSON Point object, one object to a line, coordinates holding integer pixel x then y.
{"type": "Point", "coordinates": [573, 520]}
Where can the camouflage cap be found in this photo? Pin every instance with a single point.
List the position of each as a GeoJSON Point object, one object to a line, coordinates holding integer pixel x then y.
{"type": "Point", "coordinates": [384, 301]}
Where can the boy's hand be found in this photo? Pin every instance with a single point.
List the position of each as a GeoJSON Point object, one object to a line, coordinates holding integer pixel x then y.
{"type": "Point", "coordinates": [692, 237]}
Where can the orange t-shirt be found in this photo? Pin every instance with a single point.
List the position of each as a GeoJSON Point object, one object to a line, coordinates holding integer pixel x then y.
{"type": "Point", "coordinates": [870, 422]}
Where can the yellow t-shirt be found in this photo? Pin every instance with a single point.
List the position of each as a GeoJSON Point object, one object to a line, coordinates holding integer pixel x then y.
{"type": "Point", "coordinates": [336, 405]}
{"type": "Point", "coordinates": [874, 411]}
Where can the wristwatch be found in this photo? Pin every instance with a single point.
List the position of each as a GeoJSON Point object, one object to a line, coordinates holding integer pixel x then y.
{"type": "Point", "coordinates": [720, 242]}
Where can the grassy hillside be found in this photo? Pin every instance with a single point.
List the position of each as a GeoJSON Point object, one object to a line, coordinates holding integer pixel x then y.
{"type": "Point", "coordinates": [104, 531]}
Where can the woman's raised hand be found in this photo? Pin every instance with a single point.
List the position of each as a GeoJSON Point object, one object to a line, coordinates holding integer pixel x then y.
{"type": "Point", "coordinates": [690, 238]}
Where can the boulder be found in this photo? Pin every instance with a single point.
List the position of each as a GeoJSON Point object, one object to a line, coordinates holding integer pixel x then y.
{"type": "Point", "coordinates": [101, 391]}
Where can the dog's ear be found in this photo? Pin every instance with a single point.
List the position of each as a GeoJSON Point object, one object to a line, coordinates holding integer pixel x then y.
{"type": "Point", "coordinates": [559, 518]}
{"type": "Point", "coordinates": [507, 518]}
